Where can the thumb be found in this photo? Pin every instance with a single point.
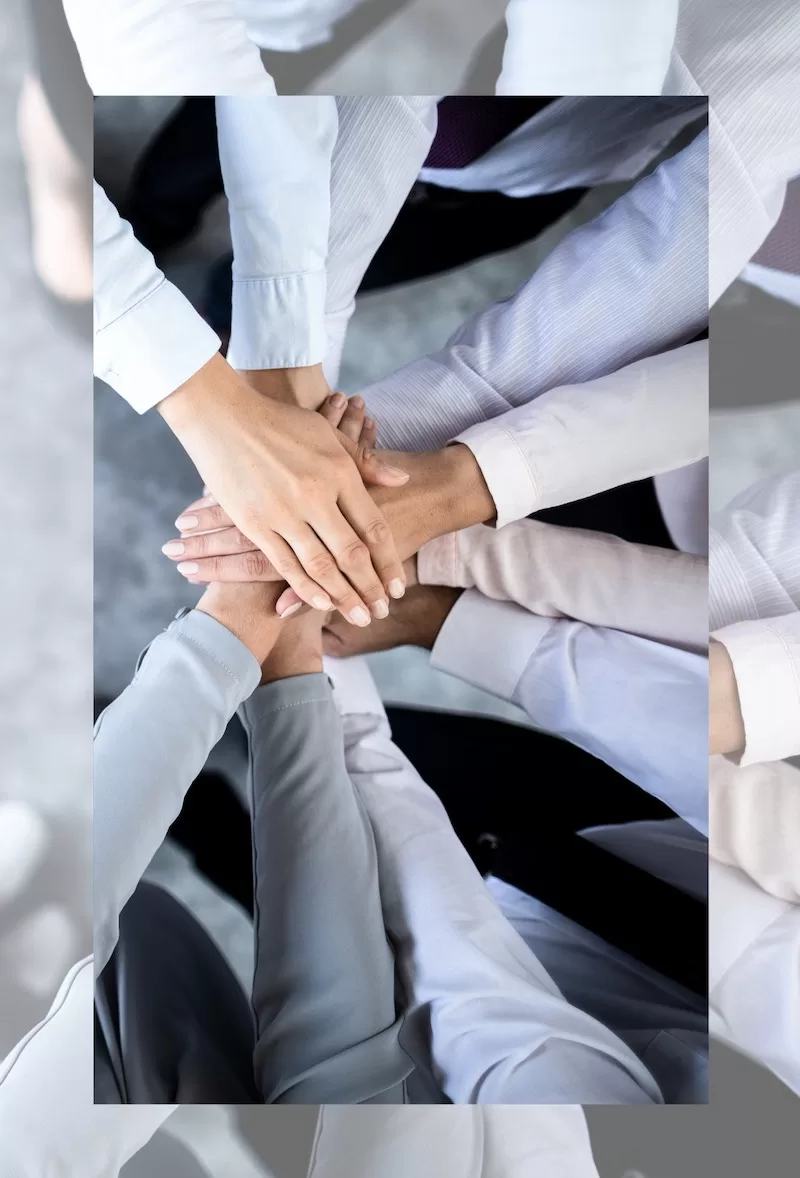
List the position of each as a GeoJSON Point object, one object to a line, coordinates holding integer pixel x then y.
{"type": "Point", "coordinates": [373, 471]}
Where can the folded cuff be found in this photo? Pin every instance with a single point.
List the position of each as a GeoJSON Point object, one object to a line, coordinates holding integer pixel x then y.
{"type": "Point", "coordinates": [354, 689]}
{"type": "Point", "coordinates": [278, 322]}
{"type": "Point", "coordinates": [505, 468]}
{"type": "Point", "coordinates": [154, 348]}
{"type": "Point", "coordinates": [488, 643]}
{"type": "Point", "coordinates": [439, 563]}
{"type": "Point", "coordinates": [224, 649]}
{"type": "Point", "coordinates": [766, 664]}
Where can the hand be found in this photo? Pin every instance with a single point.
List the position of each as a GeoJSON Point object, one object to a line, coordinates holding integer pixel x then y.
{"type": "Point", "coordinates": [279, 473]}
{"type": "Point", "coordinates": [248, 611]}
{"type": "Point", "coordinates": [446, 493]}
{"type": "Point", "coordinates": [415, 621]}
{"type": "Point", "coordinates": [298, 650]}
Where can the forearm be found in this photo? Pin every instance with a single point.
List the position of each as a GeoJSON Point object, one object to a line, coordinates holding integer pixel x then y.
{"type": "Point", "coordinates": [637, 298]}
{"type": "Point", "coordinates": [381, 146]}
{"type": "Point", "coordinates": [150, 744]}
{"type": "Point", "coordinates": [142, 47]}
{"type": "Point", "coordinates": [148, 339]}
{"type": "Point", "coordinates": [569, 572]}
{"type": "Point", "coordinates": [275, 154]}
{"type": "Point", "coordinates": [586, 47]}
{"type": "Point", "coordinates": [637, 705]}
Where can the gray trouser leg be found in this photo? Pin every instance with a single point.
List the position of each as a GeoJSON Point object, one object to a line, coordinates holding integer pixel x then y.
{"type": "Point", "coordinates": [172, 1023]}
{"type": "Point", "coordinates": [324, 987]}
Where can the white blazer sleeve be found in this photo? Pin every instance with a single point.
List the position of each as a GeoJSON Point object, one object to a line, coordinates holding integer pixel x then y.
{"type": "Point", "coordinates": [587, 46]}
{"type": "Point", "coordinates": [148, 339]}
{"type": "Point", "coordinates": [653, 592]}
{"type": "Point", "coordinates": [276, 166]}
{"type": "Point", "coordinates": [48, 1122]}
{"type": "Point", "coordinates": [628, 285]}
{"type": "Point", "coordinates": [179, 47]}
{"type": "Point", "coordinates": [640, 706]}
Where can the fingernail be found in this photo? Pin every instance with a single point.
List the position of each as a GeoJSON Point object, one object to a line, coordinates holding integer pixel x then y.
{"type": "Point", "coordinates": [338, 401]}
{"type": "Point", "coordinates": [293, 609]}
{"type": "Point", "coordinates": [185, 523]}
{"type": "Point", "coordinates": [174, 548]}
{"type": "Point", "coordinates": [188, 568]}
{"type": "Point", "coordinates": [320, 602]}
{"type": "Point", "coordinates": [380, 609]}
{"type": "Point", "coordinates": [396, 587]}
{"type": "Point", "coordinates": [369, 423]}
{"type": "Point", "coordinates": [396, 472]}
{"type": "Point", "coordinates": [357, 402]}
{"type": "Point", "coordinates": [359, 615]}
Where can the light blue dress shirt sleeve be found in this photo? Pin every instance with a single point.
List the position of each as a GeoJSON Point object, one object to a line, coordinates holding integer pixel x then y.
{"type": "Point", "coordinates": [275, 154]}
{"type": "Point", "coordinates": [150, 744]}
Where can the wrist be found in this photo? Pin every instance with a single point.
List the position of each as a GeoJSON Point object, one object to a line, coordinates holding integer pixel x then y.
{"type": "Point", "coordinates": [726, 726]}
{"type": "Point", "coordinates": [248, 611]}
{"type": "Point", "coordinates": [306, 387]}
{"type": "Point", "coordinates": [298, 650]}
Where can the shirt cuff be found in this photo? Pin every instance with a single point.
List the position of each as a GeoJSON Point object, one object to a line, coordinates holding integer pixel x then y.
{"type": "Point", "coordinates": [439, 562]}
{"type": "Point", "coordinates": [354, 689]}
{"type": "Point", "coordinates": [729, 596]}
{"type": "Point", "coordinates": [488, 643]}
{"type": "Point", "coordinates": [222, 646]}
{"type": "Point", "coordinates": [508, 476]}
{"type": "Point", "coordinates": [766, 664]}
{"type": "Point", "coordinates": [154, 348]}
{"type": "Point", "coordinates": [278, 322]}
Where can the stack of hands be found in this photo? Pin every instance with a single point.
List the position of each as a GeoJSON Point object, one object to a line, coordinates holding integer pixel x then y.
{"type": "Point", "coordinates": [373, 511]}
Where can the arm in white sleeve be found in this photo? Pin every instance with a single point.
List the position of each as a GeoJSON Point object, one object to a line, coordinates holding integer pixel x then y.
{"type": "Point", "coordinates": [766, 664]}
{"type": "Point", "coordinates": [587, 46]}
{"type": "Point", "coordinates": [754, 972]}
{"type": "Point", "coordinates": [49, 1124]}
{"type": "Point", "coordinates": [381, 146]}
{"type": "Point", "coordinates": [744, 57]}
{"type": "Point", "coordinates": [754, 553]}
{"type": "Point", "coordinates": [461, 962]}
{"type": "Point", "coordinates": [588, 576]}
{"type": "Point", "coordinates": [150, 745]}
{"type": "Point", "coordinates": [464, 1141]}
{"type": "Point", "coordinates": [276, 165]}
{"type": "Point", "coordinates": [630, 284]}
{"type": "Point", "coordinates": [148, 339]}
{"type": "Point", "coordinates": [159, 47]}
{"type": "Point", "coordinates": [637, 705]}
{"type": "Point", "coordinates": [754, 816]}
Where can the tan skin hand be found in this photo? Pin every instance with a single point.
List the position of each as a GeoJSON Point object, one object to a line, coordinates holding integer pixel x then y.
{"type": "Point", "coordinates": [415, 621]}
{"type": "Point", "coordinates": [446, 492]}
{"type": "Point", "coordinates": [290, 483]}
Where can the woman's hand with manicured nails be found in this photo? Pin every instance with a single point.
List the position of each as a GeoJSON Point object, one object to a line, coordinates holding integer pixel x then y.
{"type": "Point", "coordinates": [291, 484]}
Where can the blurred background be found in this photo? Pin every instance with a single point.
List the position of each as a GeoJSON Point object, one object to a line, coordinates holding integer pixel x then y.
{"type": "Point", "coordinates": [46, 576]}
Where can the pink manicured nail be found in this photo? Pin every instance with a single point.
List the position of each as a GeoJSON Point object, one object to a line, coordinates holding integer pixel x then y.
{"type": "Point", "coordinates": [359, 615]}
{"type": "Point", "coordinates": [396, 587]}
{"type": "Point", "coordinates": [396, 472]}
{"type": "Point", "coordinates": [185, 523]}
{"type": "Point", "coordinates": [188, 568]}
{"type": "Point", "coordinates": [174, 548]}
{"type": "Point", "coordinates": [293, 609]}
{"type": "Point", "coordinates": [380, 609]}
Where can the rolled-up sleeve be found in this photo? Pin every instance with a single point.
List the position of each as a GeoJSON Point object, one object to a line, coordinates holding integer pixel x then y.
{"type": "Point", "coordinates": [766, 662]}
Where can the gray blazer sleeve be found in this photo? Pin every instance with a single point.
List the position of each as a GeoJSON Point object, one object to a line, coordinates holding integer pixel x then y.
{"type": "Point", "coordinates": [150, 744]}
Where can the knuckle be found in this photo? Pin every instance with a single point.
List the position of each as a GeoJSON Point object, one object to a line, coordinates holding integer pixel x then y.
{"type": "Point", "coordinates": [355, 553]}
{"type": "Point", "coordinates": [255, 564]}
{"type": "Point", "coordinates": [321, 564]}
{"type": "Point", "coordinates": [377, 531]}
{"type": "Point", "coordinates": [286, 565]}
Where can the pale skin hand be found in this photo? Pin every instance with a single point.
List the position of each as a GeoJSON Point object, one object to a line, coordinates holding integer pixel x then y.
{"type": "Point", "coordinates": [726, 733]}
{"type": "Point", "coordinates": [248, 611]}
{"type": "Point", "coordinates": [286, 479]}
{"type": "Point", "coordinates": [446, 492]}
